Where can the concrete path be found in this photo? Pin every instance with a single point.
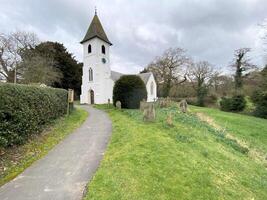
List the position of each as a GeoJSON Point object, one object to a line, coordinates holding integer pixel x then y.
{"type": "Point", "coordinates": [64, 172]}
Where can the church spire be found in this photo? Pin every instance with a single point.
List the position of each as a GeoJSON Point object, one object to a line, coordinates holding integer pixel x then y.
{"type": "Point", "coordinates": [96, 30]}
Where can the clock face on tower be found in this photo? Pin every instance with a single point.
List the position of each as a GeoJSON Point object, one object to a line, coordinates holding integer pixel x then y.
{"type": "Point", "coordinates": [104, 60]}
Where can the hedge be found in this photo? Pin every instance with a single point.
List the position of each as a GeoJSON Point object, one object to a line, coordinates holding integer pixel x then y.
{"type": "Point", "coordinates": [25, 110]}
{"type": "Point", "coordinates": [129, 90]}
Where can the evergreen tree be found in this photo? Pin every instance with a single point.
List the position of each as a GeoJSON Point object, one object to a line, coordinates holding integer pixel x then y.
{"type": "Point", "coordinates": [63, 61]}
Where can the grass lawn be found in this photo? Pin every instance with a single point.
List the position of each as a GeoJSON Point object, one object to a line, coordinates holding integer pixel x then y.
{"type": "Point", "coordinates": [15, 160]}
{"type": "Point", "coordinates": [189, 160]}
{"type": "Point", "coordinates": [250, 129]}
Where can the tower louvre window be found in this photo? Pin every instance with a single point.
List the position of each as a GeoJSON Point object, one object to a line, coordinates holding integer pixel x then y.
{"type": "Point", "coordinates": [91, 74]}
{"type": "Point", "coordinates": [89, 48]}
{"type": "Point", "coordinates": [103, 49]}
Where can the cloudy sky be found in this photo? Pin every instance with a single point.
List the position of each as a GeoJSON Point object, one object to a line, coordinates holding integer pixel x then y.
{"type": "Point", "coordinates": [142, 29]}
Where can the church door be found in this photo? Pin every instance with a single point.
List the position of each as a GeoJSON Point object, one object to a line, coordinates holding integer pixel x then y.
{"type": "Point", "coordinates": [92, 97]}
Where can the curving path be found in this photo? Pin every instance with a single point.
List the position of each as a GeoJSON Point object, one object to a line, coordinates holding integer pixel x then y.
{"type": "Point", "coordinates": [64, 172]}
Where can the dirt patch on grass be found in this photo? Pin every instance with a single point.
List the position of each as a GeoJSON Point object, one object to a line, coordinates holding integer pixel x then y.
{"type": "Point", "coordinates": [253, 153]}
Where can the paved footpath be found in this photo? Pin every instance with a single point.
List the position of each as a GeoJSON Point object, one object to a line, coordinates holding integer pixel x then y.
{"type": "Point", "coordinates": [64, 172]}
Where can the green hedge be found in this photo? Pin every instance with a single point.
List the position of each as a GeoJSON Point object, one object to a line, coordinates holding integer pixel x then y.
{"type": "Point", "coordinates": [129, 90]}
{"type": "Point", "coordinates": [25, 110]}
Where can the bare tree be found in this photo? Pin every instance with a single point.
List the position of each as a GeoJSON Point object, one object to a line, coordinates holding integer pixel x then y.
{"type": "Point", "coordinates": [38, 69]}
{"type": "Point", "coordinates": [221, 84]}
{"type": "Point", "coordinates": [199, 74]}
{"type": "Point", "coordinates": [241, 64]}
{"type": "Point", "coordinates": [215, 81]}
{"type": "Point", "coordinates": [170, 68]}
{"type": "Point", "coordinates": [12, 46]}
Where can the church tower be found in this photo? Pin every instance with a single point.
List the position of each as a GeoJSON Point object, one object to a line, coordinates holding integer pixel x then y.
{"type": "Point", "coordinates": [96, 65]}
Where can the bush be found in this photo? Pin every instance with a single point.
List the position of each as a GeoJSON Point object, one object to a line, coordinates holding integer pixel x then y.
{"type": "Point", "coordinates": [201, 95]}
{"type": "Point", "coordinates": [25, 110]}
{"type": "Point", "coordinates": [235, 104]}
{"type": "Point", "coordinates": [129, 90]}
{"type": "Point", "coordinates": [260, 100]}
{"type": "Point", "coordinates": [210, 99]}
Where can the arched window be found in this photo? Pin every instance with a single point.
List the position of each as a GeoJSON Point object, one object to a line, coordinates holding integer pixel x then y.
{"type": "Point", "coordinates": [89, 48]}
{"type": "Point", "coordinates": [103, 49]}
{"type": "Point", "coordinates": [152, 88]}
{"type": "Point", "coordinates": [91, 74]}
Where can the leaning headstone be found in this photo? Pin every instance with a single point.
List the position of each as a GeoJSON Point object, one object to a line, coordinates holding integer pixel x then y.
{"type": "Point", "coordinates": [149, 113]}
{"type": "Point", "coordinates": [118, 104]}
{"type": "Point", "coordinates": [183, 106]}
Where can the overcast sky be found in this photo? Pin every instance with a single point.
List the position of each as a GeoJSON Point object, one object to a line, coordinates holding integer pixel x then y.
{"type": "Point", "coordinates": [142, 29]}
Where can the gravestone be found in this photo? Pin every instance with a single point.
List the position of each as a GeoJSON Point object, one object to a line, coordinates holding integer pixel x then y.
{"type": "Point", "coordinates": [165, 102]}
{"type": "Point", "coordinates": [183, 106]}
{"type": "Point", "coordinates": [149, 113]}
{"type": "Point", "coordinates": [118, 104]}
{"type": "Point", "coordinates": [169, 120]}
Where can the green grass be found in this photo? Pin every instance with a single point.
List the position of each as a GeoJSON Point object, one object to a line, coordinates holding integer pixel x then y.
{"type": "Point", "coordinates": [17, 159]}
{"type": "Point", "coordinates": [250, 129]}
{"type": "Point", "coordinates": [187, 161]}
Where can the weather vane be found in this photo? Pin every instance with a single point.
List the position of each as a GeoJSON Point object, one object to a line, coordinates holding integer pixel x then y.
{"type": "Point", "coordinates": [95, 10]}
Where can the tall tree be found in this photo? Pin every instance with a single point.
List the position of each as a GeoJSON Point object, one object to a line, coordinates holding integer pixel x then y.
{"type": "Point", "coordinates": [170, 68]}
{"type": "Point", "coordinates": [215, 81]}
{"type": "Point", "coordinates": [241, 64]}
{"type": "Point", "coordinates": [12, 46]}
{"type": "Point", "coordinates": [64, 61]}
{"type": "Point", "coordinates": [38, 69]}
{"type": "Point", "coordinates": [199, 74]}
{"type": "Point", "coordinates": [221, 85]}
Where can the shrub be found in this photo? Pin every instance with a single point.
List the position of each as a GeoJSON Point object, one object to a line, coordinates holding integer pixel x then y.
{"type": "Point", "coordinates": [210, 99]}
{"type": "Point", "coordinates": [226, 103]}
{"type": "Point", "coordinates": [235, 103]}
{"type": "Point", "coordinates": [129, 90]}
{"type": "Point", "coordinates": [191, 101]}
{"type": "Point", "coordinates": [260, 100]}
{"type": "Point", "coordinates": [201, 95]}
{"type": "Point", "coordinates": [25, 110]}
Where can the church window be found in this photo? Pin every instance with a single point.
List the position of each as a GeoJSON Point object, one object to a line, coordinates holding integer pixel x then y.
{"type": "Point", "coordinates": [103, 49]}
{"type": "Point", "coordinates": [152, 88]}
{"type": "Point", "coordinates": [89, 48]}
{"type": "Point", "coordinates": [90, 74]}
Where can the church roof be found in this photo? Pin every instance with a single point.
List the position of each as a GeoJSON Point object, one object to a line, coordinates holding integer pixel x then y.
{"type": "Point", "coordinates": [144, 76]}
{"type": "Point", "coordinates": [96, 30]}
{"type": "Point", "coordinates": [116, 75]}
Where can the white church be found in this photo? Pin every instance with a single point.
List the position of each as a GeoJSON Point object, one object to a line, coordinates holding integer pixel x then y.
{"type": "Point", "coordinates": [98, 79]}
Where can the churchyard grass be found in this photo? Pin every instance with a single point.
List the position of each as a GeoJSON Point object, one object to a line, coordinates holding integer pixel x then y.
{"type": "Point", "coordinates": [251, 130]}
{"type": "Point", "coordinates": [188, 160]}
{"type": "Point", "coordinates": [16, 159]}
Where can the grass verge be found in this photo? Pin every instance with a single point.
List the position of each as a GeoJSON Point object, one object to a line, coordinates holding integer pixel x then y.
{"type": "Point", "coordinates": [187, 160]}
{"type": "Point", "coordinates": [16, 159]}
